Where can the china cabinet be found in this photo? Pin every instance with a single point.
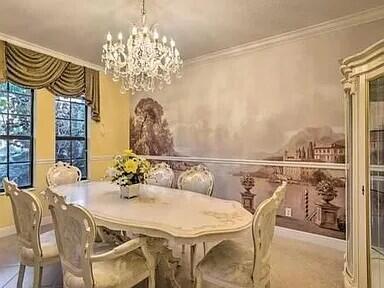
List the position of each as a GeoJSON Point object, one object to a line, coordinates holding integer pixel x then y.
{"type": "Point", "coordinates": [364, 104]}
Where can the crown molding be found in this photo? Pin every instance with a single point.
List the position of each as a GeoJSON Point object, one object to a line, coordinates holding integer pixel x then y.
{"type": "Point", "coordinates": [37, 48]}
{"type": "Point", "coordinates": [363, 17]}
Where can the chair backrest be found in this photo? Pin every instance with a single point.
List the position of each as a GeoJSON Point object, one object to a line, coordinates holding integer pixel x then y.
{"type": "Point", "coordinates": [279, 193]}
{"type": "Point", "coordinates": [197, 179]}
{"type": "Point", "coordinates": [262, 232]}
{"type": "Point", "coordinates": [63, 173]}
{"type": "Point", "coordinates": [27, 213]}
{"type": "Point", "coordinates": [161, 175]}
{"type": "Point", "coordinates": [75, 232]}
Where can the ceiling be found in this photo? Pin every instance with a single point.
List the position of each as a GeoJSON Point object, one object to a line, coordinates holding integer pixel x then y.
{"type": "Point", "coordinates": [78, 27]}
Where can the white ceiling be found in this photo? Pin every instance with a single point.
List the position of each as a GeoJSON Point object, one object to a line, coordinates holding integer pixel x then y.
{"type": "Point", "coordinates": [78, 27]}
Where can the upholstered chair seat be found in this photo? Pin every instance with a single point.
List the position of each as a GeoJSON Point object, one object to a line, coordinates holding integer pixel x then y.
{"type": "Point", "coordinates": [118, 273]}
{"type": "Point", "coordinates": [245, 264]}
{"type": "Point", "coordinates": [160, 175]}
{"type": "Point", "coordinates": [48, 249]}
{"type": "Point", "coordinates": [230, 263]}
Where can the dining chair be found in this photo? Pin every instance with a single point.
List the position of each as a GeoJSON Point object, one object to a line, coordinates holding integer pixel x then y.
{"type": "Point", "coordinates": [196, 179]}
{"type": "Point", "coordinates": [160, 174]}
{"type": "Point", "coordinates": [243, 264]}
{"type": "Point", "coordinates": [63, 173]}
{"type": "Point", "coordinates": [84, 264]}
{"type": "Point", "coordinates": [36, 249]}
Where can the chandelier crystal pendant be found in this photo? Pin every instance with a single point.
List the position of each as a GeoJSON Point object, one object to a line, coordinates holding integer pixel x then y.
{"type": "Point", "coordinates": [144, 61]}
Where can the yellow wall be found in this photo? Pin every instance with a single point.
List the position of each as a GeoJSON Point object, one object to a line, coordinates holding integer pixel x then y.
{"type": "Point", "coordinates": [106, 138]}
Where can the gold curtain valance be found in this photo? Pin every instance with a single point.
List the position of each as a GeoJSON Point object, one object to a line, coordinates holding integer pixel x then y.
{"type": "Point", "coordinates": [36, 70]}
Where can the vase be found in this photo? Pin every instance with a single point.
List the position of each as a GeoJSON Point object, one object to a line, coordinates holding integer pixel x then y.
{"type": "Point", "coordinates": [129, 191]}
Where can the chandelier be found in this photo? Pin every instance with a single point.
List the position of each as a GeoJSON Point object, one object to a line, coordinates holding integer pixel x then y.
{"type": "Point", "coordinates": [144, 61]}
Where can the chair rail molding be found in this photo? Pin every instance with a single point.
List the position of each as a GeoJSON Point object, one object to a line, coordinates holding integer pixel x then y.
{"type": "Point", "coordinates": [363, 17]}
{"type": "Point", "coordinates": [315, 165]}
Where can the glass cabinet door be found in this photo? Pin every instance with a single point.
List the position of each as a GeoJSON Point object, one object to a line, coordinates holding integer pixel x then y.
{"type": "Point", "coordinates": [376, 183]}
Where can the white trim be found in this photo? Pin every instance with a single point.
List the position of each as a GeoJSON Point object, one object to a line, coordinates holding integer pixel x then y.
{"type": "Point", "coordinates": [11, 230]}
{"type": "Point", "coordinates": [37, 48]}
{"type": "Point", "coordinates": [44, 161]}
{"type": "Point", "coordinates": [102, 158]}
{"type": "Point", "coordinates": [315, 165]}
{"type": "Point", "coordinates": [363, 17]}
{"type": "Point", "coordinates": [311, 238]}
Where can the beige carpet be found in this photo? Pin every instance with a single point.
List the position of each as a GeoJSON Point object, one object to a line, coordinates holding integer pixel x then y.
{"type": "Point", "coordinates": [295, 264]}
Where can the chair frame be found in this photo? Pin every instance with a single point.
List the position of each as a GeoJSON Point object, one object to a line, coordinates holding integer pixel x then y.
{"type": "Point", "coordinates": [197, 169]}
{"type": "Point", "coordinates": [63, 166]}
{"type": "Point", "coordinates": [12, 191]}
{"type": "Point", "coordinates": [161, 167]}
{"type": "Point", "coordinates": [193, 170]}
{"type": "Point", "coordinates": [265, 216]}
{"type": "Point", "coordinates": [88, 257]}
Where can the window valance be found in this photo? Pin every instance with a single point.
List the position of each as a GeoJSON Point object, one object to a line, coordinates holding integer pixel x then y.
{"type": "Point", "coordinates": [36, 70]}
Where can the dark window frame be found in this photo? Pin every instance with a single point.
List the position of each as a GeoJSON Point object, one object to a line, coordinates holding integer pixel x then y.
{"type": "Point", "coordinates": [29, 138]}
{"type": "Point", "coordinates": [70, 160]}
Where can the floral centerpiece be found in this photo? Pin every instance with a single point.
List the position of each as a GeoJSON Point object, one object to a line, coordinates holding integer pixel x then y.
{"type": "Point", "coordinates": [129, 169]}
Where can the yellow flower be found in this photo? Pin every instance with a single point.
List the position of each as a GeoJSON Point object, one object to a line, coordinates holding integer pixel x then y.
{"type": "Point", "coordinates": [131, 166]}
{"type": "Point", "coordinates": [128, 152]}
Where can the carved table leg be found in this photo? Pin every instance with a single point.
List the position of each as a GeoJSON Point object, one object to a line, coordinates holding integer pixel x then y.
{"type": "Point", "coordinates": [166, 263]}
{"type": "Point", "coordinates": [193, 252]}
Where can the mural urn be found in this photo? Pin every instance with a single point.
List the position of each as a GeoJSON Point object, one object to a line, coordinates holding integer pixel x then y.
{"type": "Point", "coordinates": [247, 197]}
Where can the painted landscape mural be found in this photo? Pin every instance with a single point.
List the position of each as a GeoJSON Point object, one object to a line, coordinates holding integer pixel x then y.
{"type": "Point", "coordinates": [279, 108]}
{"type": "Point", "coordinates": [315, 197]}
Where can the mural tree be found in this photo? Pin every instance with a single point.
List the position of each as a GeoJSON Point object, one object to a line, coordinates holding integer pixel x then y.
{"type": "Point", "coordinates": [150, 134]}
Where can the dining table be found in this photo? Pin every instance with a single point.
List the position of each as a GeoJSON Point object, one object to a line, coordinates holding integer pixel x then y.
{"type": "Point", "coordinates": [165, 215]}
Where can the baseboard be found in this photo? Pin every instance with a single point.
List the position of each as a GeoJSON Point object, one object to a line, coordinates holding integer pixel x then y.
{"type": "Point", "coordinates": [11, 230]}
{"type": "Point", "coordinates": [312, 238]}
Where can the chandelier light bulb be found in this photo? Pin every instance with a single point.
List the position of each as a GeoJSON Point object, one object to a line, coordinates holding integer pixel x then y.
{"type": "Point", "coordinates": [164, 40]}
{"type": "Point", "coordinates": [134, 30]}
{"type": "Point", "coordinates": [109, 37]}
{"type": "Point", "coordinates": [155, 35]}
{"type": "Point", "coordinates": [120, 36]}
{"type": "Point", "coordinates": [172, 43]}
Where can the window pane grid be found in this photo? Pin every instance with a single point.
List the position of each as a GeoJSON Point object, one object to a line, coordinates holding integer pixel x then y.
{"type": "Point", "coordinates": [16, 134]}
{"type": "Point", "coordinates": [71, 132]}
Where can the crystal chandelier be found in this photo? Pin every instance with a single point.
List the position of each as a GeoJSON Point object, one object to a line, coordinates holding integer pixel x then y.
{"type": "Point", "coordinates": [144, 61]}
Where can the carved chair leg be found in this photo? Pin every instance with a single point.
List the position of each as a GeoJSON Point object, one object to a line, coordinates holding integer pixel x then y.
{"type": "Point", "coordinates": [183, 249]}
{"type": "Point", "coordinates": [205, 248]}
{"type": "Point", "coordinates": [192, 261]}
{"type": "Point", "coordinates": [198, 280]}
{"type": "Point", "coordinates": [37, 275]}
{"type": "Point", "coordinates": [21, 276]}
{"type": "Point", "coordinates": [151, 280]}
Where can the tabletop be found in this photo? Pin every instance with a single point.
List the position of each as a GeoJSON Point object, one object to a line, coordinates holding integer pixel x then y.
{"type": "Point", "coordinates": [179, 215]}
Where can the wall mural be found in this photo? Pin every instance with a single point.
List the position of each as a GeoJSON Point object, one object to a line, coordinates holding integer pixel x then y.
{"type": "Point", "coordinates": [314, 200]}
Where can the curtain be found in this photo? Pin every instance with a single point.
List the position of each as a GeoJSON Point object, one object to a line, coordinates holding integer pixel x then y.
{"type": "Point", "coordinates": [3, 74]}
{"type": "Point", "coordinates": [36, 70]}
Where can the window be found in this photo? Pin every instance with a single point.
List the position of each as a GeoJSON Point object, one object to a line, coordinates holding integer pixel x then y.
{"type": "Point", "coordinates": [71, 132]}
{"type": "Point", "coordinates": [16, 134]}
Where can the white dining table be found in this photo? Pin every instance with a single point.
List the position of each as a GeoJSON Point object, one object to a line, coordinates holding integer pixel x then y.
{"type": "Point", "coordinates": [178, 216]}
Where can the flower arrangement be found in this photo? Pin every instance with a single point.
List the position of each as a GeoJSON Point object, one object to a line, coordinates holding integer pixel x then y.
{"type": "Point", "coordinates": [129, 169]}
